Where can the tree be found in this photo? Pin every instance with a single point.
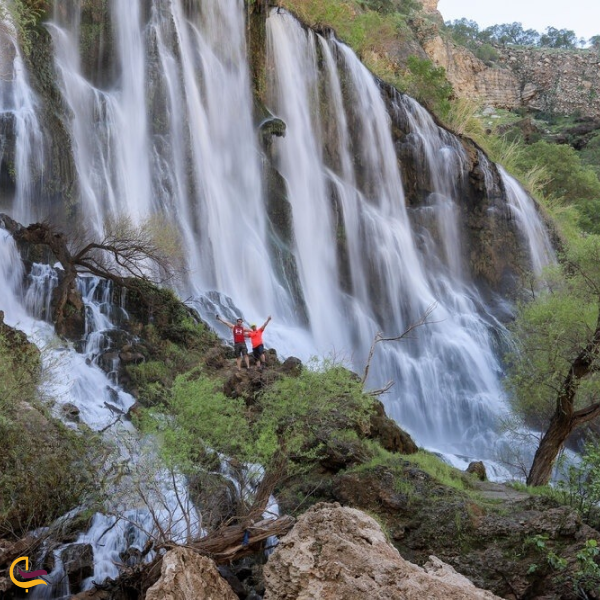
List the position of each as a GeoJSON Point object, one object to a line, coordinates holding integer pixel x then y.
{"type": "Point", "coordinates": [594, 42]}
{"type": "Point", "coordinates": [464, 31]}
{"type": "Point", "coordinates": [555, 376]}
{"type": "Point", "coordinates": [512, 34]}
{"type": "Point", "coordinates": [558, 38]}
{"type": "Point", "coordinates": [125, 252]}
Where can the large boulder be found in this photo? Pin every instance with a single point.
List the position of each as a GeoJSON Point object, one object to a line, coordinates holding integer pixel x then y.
{"type": "Point", "coordinates": [338, 553]}
{"type": "Point", "coordinates": [78, 562]}
{"type": "Point", "coordinates": [185, 575]}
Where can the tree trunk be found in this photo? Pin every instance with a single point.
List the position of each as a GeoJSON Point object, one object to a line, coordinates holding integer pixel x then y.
{"type": "Point", "coordinates": [556, 435]}
{"type": "Point", "coordinates": [565, 418]}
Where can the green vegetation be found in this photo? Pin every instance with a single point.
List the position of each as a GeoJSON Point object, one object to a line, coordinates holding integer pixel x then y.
{"type": "Point", "coordinates": [374, 29]}
{"type": "Point", "coordinates": [467, 33]}
{"type": "Point", "coordinates": [26, 15]}
{"type": "Point", "coordinates": [45, 468]}
{"type": "Point", "coordinates": [292, 423]}
{"type": "Point", "coordinates": [581, 488]}
{"type": "Point", "coordinates": [441, 471]}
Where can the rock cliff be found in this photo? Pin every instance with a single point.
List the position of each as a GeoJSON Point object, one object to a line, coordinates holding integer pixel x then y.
{"type": "Point", "coordinates": [542, 79]}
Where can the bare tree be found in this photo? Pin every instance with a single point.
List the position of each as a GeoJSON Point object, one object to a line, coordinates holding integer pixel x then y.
{"type": "Point", "coordinates": [379, 337]}
{"type": "Point", "coordinates": [125, 253]}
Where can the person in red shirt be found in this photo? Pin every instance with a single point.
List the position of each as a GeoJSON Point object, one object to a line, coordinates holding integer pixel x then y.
{"type": "Point", "coordinates": [239, 341]}
{"type": "Point", "coordinates": [258, 349]}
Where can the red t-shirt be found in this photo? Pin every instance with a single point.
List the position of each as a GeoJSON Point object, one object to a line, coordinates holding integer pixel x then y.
{"type": "Point", "coordinates": [256, 337]}
{"type": "Point", "coordinates": [238, 334]}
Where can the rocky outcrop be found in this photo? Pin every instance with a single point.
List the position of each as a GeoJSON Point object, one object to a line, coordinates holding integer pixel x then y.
{"type": "Point", "coordinates": [555, 81]}
{"type": "Point", "coordinates": [541, 79]}
{"type": "Point", "coordinates": [471, 78]}
{"type": "Point", "coordinates": [336, 553]}
{"type": "Point", "coordinates": [185, 575]}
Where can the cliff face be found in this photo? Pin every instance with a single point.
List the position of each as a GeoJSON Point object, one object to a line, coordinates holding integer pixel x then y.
{"type": "Point", "coordinates": [471, 78]}
{"type": "Point", "coordinates": [546, 79]}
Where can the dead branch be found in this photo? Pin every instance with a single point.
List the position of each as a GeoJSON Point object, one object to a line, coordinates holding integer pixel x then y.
{"type": "Point", "coordinates": [379, 337]}
{"type": "Point", "coordinates": [236, 541]}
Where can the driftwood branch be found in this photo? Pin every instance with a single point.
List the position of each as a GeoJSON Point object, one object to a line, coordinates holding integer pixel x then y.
{"type": "Point", "coordinates": [379, 337]}
{"type": "Point", "coordinates": [236, 541]}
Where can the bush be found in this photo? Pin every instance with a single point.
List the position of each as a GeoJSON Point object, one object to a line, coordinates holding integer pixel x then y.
{"type": "Point", "coordinates": [487, 53]}
{"type": "Point", "coordinates": [292, 420]}
{"type": "Point", "coordinates": [428, 84]}
{"type": "Point", "coordinates": [581, 488]}
{"type": "Point", "coordinates": [569, 180]}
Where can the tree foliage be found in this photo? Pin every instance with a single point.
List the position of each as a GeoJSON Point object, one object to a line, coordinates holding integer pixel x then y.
{"type": "Point", "coordinates": [554, 376]}
{"type": "Point", "coordinates": [468, 33]}
{"type": "Point", "coordinates": [428, 84]}
{"type": "Point", "coordinates": [45, 468]}
{"type": "Point", "coordinates": [290, 422]}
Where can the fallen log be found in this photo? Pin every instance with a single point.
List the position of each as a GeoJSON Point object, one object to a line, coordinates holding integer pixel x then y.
{"type": "Point", "coordinates": [236, 541]}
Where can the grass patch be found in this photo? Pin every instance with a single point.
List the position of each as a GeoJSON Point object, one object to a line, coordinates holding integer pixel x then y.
{"type": "Point", "coordinates": [440, 471]}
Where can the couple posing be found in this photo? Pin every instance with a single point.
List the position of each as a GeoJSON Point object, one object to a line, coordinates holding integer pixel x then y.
{"type": "Point", "coordinates": [239, 342]}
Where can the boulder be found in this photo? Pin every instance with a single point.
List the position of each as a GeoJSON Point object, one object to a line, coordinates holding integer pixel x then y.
{"type": "Point", "coordinates": [70, 412]}
{"type": "Point", "coordinates": [185, 575]}
{"type": "Point", "coordinates": [477, 468]}
{"type": "Point", "coordinates": [291, 366]}
{"type": "Point", "coordinates": [389, 434]}
{"type": "Point", "coordinates": [338, 553]}
{"type": "Point", "coordinates": [78, 562]}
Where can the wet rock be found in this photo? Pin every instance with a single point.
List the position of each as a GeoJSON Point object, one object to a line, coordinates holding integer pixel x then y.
{"type": "Point", "coordinates": [78, 562]}
{"type": "Point", "coordinates": [134, 358]}
{"type": "Point", "coordinates": [135, 411]}
{"type": "Point", "coordinates": [70, 412]}
{"type": "Point", "coordinates": [477, 468]}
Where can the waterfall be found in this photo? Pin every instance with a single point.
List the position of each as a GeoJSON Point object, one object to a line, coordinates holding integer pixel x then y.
{"type": "Point", "coordinates": [447, 376]}
{"type": "Point", "coordinates": [530, 225]}
{"type": "Point", "coordinates": [18, 122]}
{"type": "Point", "coordinates": [167, 133]}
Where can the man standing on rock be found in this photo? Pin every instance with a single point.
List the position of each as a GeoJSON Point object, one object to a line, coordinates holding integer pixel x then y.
{"type": "Point", "coordinates": [258, 349]}
{"type": "Point", "coordinates": [239, 341]}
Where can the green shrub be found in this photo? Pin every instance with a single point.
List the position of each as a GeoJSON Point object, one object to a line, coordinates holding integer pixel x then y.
{"type": "Point", "coordinates": [292, 419]}
{"type": "Point", "coordinates": [428, 84]}
{"type": "Point", "coordinates": [440, 471]}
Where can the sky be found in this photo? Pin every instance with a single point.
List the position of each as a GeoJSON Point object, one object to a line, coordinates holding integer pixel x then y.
{"type": "Point", "coordinates": [580, 16]}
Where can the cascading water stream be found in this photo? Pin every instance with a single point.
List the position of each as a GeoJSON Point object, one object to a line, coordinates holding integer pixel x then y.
{"type": "Point", "coordinates": [73, 378]}
{"type": "Point", "coordinates": [444, 165]}
{"type": "Point", "coordinates": [532, 229]}
{"type": "Point", "coordinates": [18, 121]}
{"type": "Point", "coordinates": [448, 375]}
